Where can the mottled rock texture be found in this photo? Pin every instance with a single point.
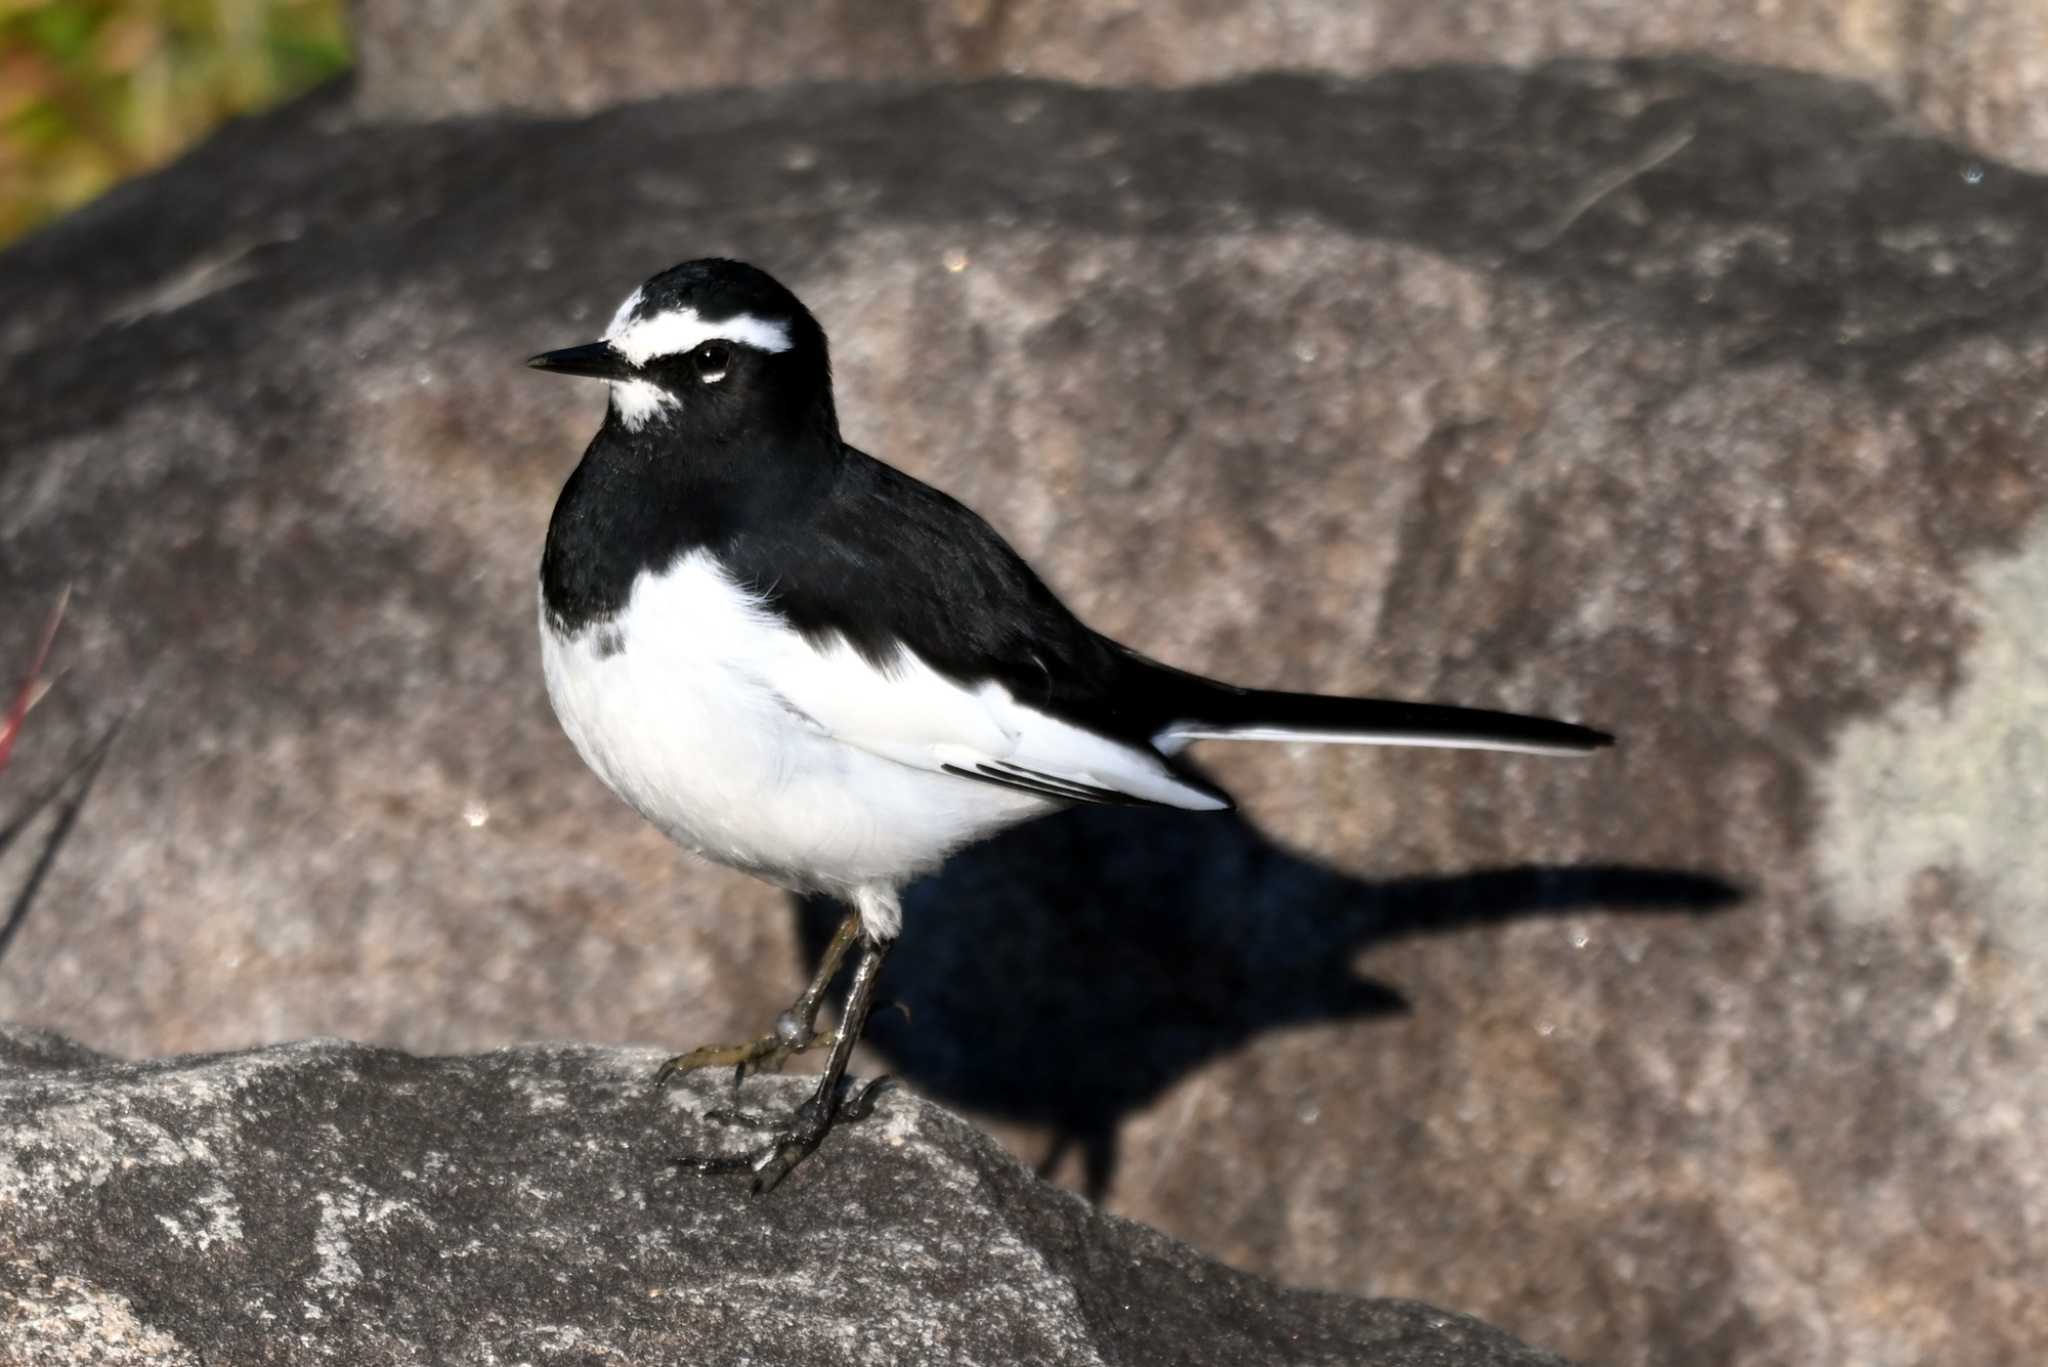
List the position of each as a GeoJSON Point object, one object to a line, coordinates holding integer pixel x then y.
{"type": "Point", "coordinates": [324, 1202]}
{"type": "Point", "coordinates": [1701, 401]}
{"type": "Point", "coordinates": [1975, 70]}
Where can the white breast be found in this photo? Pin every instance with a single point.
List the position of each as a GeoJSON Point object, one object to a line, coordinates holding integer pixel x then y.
{"type": "Point", "coordinates": [682, 704]}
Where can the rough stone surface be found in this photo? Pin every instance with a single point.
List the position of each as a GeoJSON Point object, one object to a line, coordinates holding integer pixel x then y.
{"type": "Point", "coordinates": [1975, 70]}
{"type": "Point", "coordinates": [326, 1202]}
{"type": "Point", "coordinates": [1703, 402]}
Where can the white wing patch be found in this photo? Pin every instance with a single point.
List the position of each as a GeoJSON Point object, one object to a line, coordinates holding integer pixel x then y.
{"type": "Point", "coordinates": [675, 331]}
{"type": "Point", "coordinates": [910, 713]}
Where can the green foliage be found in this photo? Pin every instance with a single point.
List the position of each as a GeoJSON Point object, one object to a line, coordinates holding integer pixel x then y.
{"type": "Point", "coordinates": [95, 90]}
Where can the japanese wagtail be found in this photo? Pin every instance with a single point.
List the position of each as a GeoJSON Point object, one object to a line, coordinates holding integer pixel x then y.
{"type": "Point", "coordinates": [798, 661]}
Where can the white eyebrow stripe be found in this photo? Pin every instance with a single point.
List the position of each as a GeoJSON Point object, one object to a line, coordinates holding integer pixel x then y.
{"type": "Point", "coordinates": [624, 316]}
{"type": "Point", "coordinates": [679, 330]}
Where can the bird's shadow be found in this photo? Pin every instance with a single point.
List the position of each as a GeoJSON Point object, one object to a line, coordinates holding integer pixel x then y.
{"type": "Point", "coordinates": [1070, 970]}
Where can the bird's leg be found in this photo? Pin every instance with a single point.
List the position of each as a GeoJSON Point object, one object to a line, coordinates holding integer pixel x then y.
{"type": "Point", "coordinates": [794, 1136]}
{"type": "Point", "coordinates": [792, 1033]}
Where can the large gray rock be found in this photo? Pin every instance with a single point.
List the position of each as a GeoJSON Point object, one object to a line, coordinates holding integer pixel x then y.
{"type": "Point", "coordinates": [1971, 69]}
{"type": "Point", "coordinates": [1699, 401]}
{"type": "Point", "coordinates": [325, 1202]}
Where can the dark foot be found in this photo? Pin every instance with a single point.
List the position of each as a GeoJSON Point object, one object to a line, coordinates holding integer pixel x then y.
{"type": "Point", "coordinates": [790, 1037]}
{"type": "Point", "coordinates": [794, 1032]}
{"type": "Point", "coordinates": [794, 1136]}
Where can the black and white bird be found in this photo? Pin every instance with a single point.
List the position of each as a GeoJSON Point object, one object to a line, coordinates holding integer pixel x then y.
{"type": "Point", "coordinates": [798, 661]}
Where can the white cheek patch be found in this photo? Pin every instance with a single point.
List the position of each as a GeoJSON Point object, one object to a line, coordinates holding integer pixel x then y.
{"type": "Point", "coordinates": [637, 400]}
{"type": "Point", "coordinates": [681, 330]}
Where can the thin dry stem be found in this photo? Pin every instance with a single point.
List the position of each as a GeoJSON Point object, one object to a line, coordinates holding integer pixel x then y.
{"type": "Point", "coordinates": [34, 685]}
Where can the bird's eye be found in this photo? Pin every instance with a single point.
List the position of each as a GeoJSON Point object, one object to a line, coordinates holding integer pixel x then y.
{"type": "Point", "coordinates": [712, 359]}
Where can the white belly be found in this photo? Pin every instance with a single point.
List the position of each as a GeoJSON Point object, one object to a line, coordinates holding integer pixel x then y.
{"type": "Point", "coordinates": [674, 705]}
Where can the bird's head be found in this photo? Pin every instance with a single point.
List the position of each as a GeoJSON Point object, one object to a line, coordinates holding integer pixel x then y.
{"type": "Point", "coordinates": [716, 347]}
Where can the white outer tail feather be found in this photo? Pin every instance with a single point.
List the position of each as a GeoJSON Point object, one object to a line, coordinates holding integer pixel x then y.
{"type": "Point", "coordinates": [1173, 739]}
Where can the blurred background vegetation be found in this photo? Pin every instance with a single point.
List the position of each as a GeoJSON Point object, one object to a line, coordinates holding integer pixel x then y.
{"type": "Point", "coordinates": [92, 91]}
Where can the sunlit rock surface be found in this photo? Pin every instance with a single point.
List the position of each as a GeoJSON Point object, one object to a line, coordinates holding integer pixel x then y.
{"type": "Point", "coordinates": [325, 1202]}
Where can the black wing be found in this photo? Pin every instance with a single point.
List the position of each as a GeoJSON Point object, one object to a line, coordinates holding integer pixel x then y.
{"type": "Point", "coordinates": [890, 562]}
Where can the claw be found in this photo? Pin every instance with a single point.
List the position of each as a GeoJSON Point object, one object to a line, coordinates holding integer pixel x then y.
{"type": "Point", "coordinates": [745, 1120]}
{"type": "Point", "coordinates": [769, 1164]}
{"type": "Point", "coordinates": [794, 1137]}
{"type": "Point", "coordinates": [767, 1054]}
{"type": "Point", "coordinates": [861, 1104]}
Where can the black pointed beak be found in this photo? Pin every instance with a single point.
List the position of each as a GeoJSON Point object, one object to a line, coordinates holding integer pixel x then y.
{"type": "Point", "coordinates": [596, 360]}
